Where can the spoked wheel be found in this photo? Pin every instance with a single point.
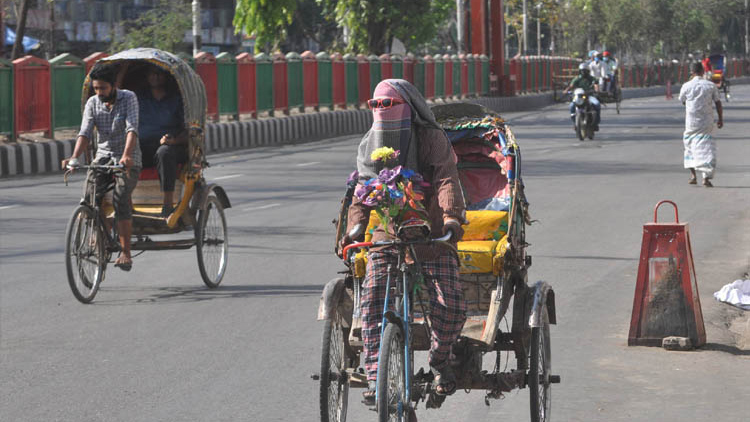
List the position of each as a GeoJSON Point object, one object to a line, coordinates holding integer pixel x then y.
{"type": "Point", "coordinates": [539, 377]}
{"type": "Point", "coordinates": [579, 127]}
{"type": "Point", "coordinates": [85, 256]}
{"type": "Point", "coordinates": [212, 243]}
{"type": "Point", "coordinates": [391, 400]}
{"type": "Point", "coordinates": [334, 383]}
{"type": "Point", "coordinates": [727, 96]}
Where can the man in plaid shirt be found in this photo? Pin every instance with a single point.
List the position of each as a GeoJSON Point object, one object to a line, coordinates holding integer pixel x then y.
{"type": "Point", "coordinates": [114, 113]}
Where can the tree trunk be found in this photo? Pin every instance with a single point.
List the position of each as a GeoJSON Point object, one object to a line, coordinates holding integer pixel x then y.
{"type": "Point", "coordinates": [20, 29]}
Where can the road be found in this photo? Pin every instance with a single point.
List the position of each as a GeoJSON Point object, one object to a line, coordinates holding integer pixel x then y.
{"type": "Point", "coordinates": [157, 346]}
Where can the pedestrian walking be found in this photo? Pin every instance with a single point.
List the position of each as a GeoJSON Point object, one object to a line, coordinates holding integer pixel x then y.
{"type": "Point", "coordinates": [700, 147]}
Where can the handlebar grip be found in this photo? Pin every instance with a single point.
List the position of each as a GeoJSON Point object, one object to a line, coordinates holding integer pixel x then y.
{"type": "Point", "coordinates": [350, 246]}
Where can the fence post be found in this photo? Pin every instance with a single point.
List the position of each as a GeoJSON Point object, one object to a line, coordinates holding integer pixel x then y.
{"type": "Point", "coordinates": [443, 76]}
{"type": "Point", "coordinates": [397, 66]}
{"type": "Point", "coordinates": [429, 77]}
{"type": "Point", "coordinates": [386, 66]}
{"type": "Point", "coordinates": [205, 67]}
{"type": "Point", "coordinates": [457, 76]}
{"type": "Point", "coordinates": [420, 75]}
{"type": "Point", "coordinates": [352, 79]}
{"type": "Point", "coordinates": [31, 90]}
{"type": "Point", "coordinates": [264, 83]}
{"type": "Point", "coordinates": [280, 84]}
{"type": "Point", "coordinates": [226, 78]}
{"type": "Point", "coordinates": [409, 63]}
{"type": "Point", "coordinates": [375, 73]}
{"type": "Point", "coordinates": [187, 58]}
{"type": "Point", "coordinates": [314, 67]}
{"type": "Point", "coordinates": [246, 84]}
{"type": "Point", "coordinates": [6, 97]}
{"type": "Point", "coordinates": [338, 74]}
{"type": "Point", "coordinates": [295, 81]}
{"type": "Point", "coordinates": [66, 77]}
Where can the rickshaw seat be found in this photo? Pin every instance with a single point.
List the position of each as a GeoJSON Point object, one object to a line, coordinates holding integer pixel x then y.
{"type": "Point", "coordinates": [150, 173]}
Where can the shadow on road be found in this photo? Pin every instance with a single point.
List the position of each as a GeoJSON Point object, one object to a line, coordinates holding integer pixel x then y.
{"type": "Point", "coordinates": [585, 257]}
{"type": "Point", "coordinates": [732, 350]}
{"type": "Point", "coordinates": [171, 295]}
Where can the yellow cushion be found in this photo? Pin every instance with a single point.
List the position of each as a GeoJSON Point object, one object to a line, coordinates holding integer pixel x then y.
{"type": "Point", "coordinates": [485, 225]}
{"type": "Point", "coordinates": [476, 256]}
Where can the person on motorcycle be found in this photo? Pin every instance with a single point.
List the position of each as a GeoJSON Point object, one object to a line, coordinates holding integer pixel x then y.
{"type": "Point", "coordinates": [402, 120]}
{"type": "Point", "coordinates": [610, 71]}
{"type": "Point", "coordinates": [585, 81]}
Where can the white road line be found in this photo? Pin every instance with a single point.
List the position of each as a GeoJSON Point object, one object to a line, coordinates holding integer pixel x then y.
{"type": "Point", "coordinates": [7, 207]}
{"type": "Point", "coordinates": [262, 207]}
{"type": "Point", "coordinates": [312, 163]}
{"type": "Point", "coordinates": [231, 176]}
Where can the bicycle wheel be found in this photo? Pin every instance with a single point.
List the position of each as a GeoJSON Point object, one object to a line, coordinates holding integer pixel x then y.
{"type": "Point", "coordinates": [392, 400]}
{"type": "Point", "coordinates": [539, 372]}
{"type": "Point", "coordinates": [85, 256]}
{"type": "Point", "coordinates": [212, 243]}
{"type": "Point", "coordinates": [334, 382]}
{"type": "Point", "coordinates": [618, 99]}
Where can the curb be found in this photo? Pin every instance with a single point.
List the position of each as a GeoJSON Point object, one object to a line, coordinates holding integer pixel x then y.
{"type": "Point", "coordinates": [45, 157]}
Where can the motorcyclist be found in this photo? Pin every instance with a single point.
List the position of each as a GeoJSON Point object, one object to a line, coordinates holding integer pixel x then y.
{"type": "Point", "coordinates": [585, 81]}
{"type": "Point", "coordinates": [610, 69]}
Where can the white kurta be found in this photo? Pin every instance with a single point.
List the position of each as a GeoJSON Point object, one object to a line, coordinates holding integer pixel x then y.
{"type": "Point", "coordinates": [699, 96]}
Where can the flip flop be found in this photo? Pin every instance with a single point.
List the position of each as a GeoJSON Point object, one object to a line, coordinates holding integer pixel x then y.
{"type": "Point", "coordinates": [125, 266]}
{"type": "Point", "coordinates": [445, 379]}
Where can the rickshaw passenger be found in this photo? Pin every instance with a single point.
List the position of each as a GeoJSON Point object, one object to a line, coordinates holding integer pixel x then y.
{"type": "Point", "coordinates": [403, 121]}
{"type": "Point", "coordinates": [114, 113]}
{"type": "Point", "coordinates": [163, 138]}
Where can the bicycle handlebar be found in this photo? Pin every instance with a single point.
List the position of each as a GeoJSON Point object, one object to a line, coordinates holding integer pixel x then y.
{"type": "Point", "coordinates": [358, 245]}
{"type": "Point", "coordinates": [69, 169]}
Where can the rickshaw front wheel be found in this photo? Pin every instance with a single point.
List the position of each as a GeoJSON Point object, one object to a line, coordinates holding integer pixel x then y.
{"type": "Point", "coordinates": [334, 384]}
{"type": "Point", "coordinates": [85, 254]}
{"type": "Point", "coordinates": [540, 370]}
{"type": "Point", "coordinates": [211, 242]}
{"type": "Point", "coordinates": [392, 401]}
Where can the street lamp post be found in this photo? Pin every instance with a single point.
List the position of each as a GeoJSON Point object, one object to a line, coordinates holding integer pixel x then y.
{"type": "Point", "coordinates": [197, 42]}
{"type": "Point", "coordinates": [538, 29]}
{"type": "Point", "coordinates": [525, 44]}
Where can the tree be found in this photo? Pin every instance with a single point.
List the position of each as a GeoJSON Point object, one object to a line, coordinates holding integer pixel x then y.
{"type": "Point", "coordinates": [267, 19]}
{"type": "Point", "coordinates": [162, 27]}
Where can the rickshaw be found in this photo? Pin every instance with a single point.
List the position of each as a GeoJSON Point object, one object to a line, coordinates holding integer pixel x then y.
{"type": "Point", "coordinates": [717, 74]}
{"type": "Point", "coordinates": [199, 206]}
{"type": "Point", "coordinates": [493, 272]}
{"type": "Point", "coordinates": [613, 95]}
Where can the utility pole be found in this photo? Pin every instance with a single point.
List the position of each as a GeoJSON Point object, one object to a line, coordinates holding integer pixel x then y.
{"type": "Point", "coordinates": [524, 40]}
{"type": "Point", "coordinates": [51, 47]}
{"type": "Point", "coordinates": [460, 25]}
{"type": "Point", "coordinates": [747, 32]}
{"type": "Point", "coordinates": [538, 29]}
{"type": "Point", "coordinates": [20, 29]}
{"type": "Point", "coordinates": [197, 42]}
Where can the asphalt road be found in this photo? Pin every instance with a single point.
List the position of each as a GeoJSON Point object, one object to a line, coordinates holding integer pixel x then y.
{"type": "Point", "coordinates": [158, 346]}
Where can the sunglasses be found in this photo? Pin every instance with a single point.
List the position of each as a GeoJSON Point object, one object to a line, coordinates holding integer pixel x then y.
{"type": "Point", "coordinates": [383, 102]}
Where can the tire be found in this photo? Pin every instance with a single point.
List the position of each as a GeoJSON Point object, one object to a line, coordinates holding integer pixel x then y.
{"type": "Point", "coordinates": [212, 243]}
{"type": "Point", "coordinates": [618, 99]}
{"type": "Point", "coordinates": [334, 390]}
{"type": "Point", "coordinates": [579, 127]}
{"type": "Point", "coordinates": [391, 400]}
{"type": "Point", "coordinates": [85, 254]}
{"type": "Point", "coordinates": [540, 369]}
{"type": "Point", "coordinates": [590, 127]}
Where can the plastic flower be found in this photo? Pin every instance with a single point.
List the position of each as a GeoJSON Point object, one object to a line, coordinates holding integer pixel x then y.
{"type": "Point", "coordinates": [384, 154]}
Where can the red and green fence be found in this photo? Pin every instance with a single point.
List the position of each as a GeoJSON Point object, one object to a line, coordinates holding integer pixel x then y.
{"type": "Point", "coordinates": [36, 95]}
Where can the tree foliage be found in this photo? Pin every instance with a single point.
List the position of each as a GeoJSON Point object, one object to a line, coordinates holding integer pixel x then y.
{"type": "Point", "coordinates": [161, 27]}
{"type": "Point", "coordinates": [267, 19]}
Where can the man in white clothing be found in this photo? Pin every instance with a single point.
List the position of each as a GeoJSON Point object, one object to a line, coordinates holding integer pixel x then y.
{"type": "Point", "coordinates": [700, 148]}
{"type": "Point", "coordinates": [598, 70]}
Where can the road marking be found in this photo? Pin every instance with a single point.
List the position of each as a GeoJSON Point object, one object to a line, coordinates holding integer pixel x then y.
{"type": "Point", "coordinates": [231, 176]}
{"type": "Point", "coordinates": [311, 163]}
{"type": "Point", "coordinates": [262, 207]}
{"type": "Point", "coordinates": [7, 207]}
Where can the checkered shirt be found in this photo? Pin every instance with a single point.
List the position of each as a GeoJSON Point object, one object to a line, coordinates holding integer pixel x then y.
{"type": "Point", "coordinates": [112, 125]}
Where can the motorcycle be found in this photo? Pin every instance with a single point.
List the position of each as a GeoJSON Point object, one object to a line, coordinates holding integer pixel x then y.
{"type": "Point", "coordinates": [585, 114]}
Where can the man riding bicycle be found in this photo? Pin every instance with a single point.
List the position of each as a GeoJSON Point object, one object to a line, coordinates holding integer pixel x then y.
{"type": "Point", "coordinates": [114, 113]}
{"type": "Point", "coordinates": [403, 121]}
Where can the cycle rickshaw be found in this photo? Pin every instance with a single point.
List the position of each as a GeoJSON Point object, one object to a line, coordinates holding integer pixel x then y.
{"type": "Point", "coordinates": [613, 95]}
{"type": "Point", "coordinates": [493, 273]}
{"type": "Point", "coordinates": [199, 206]}
{"type": "Point", "coordinates": [717, 73]}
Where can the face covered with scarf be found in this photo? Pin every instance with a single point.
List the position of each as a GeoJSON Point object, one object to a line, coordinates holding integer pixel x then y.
{"type": "Point", "coordinates": [397, 107]}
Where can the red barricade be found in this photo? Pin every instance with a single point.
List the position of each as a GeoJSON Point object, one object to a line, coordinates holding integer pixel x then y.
{"type": "Point", "coordinates": [339, 80]}
{"type": "Point", "coordinates": [363, 75]}
{"type": "Point", "coordinates": [386, 66]}
{"type": "Point", "coordinates": [280, 83]}
{"type": "Point", "coordinates": [409, 68]}
{"type": "Point", "coordinates": [429, 77]}
{"type": "Point", "coordinates": [666, 301]}
{"type": "Point", "coordinates": [205, 67]}
{"type": "Point", "coordinates": [246, 101]}
{"type": "Point", "coordinates": [31, 95]}
{"type": "Point", "coordinates": [464, 64]}
{"type": "Point", "coordinates": [448, 76]}
{"type": "Point", "coordinates": [310, 77]}
{"type": "Point", "coordinates": [92, 59]}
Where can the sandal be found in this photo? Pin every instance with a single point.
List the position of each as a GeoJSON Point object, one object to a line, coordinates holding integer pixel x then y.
{"type": "Point", "coordinates": [444, 383]}
{"type": "Point", "coordinates": [368, 396]}
{"type": "Point", "coordinates": [125, 266]}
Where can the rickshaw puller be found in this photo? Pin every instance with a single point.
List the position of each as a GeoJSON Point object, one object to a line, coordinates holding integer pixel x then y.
{"type": "Point", "coordinates": [403, 121]}
{"type": "Point", "coordinates": [114, 113]}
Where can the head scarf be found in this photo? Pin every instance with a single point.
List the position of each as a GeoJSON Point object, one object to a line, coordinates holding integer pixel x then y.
{"type": "Point", "coordinates": [394, 127]}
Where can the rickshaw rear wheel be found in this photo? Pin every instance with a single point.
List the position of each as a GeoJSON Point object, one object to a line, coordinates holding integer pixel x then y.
{"type": "Point", "coordinates": [334, 384]}
{"type": "Point", "coordinates": [85, 256]}
{"type": "Point", "coordinates": [392, 401]}
{"type": "Point", "coordinates": [211, 243]}
{"type": "Point", "coordinates": [540, 369]}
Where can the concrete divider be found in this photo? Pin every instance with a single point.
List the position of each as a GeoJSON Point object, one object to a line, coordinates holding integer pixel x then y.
{"type": "Point", "coordinates": [44, 157]}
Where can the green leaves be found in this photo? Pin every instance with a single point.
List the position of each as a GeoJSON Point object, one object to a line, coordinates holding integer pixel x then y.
{"type": "Point", "coordinates": [267, 19]}
{"type": "Point", "coordinates": [162, 27]}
